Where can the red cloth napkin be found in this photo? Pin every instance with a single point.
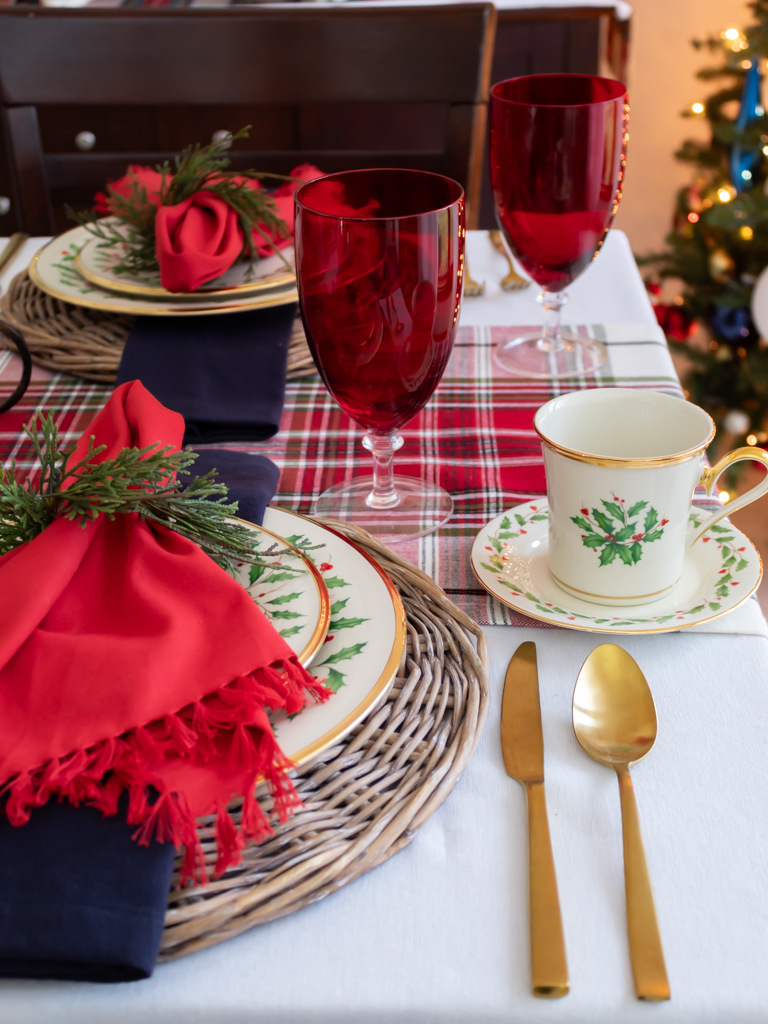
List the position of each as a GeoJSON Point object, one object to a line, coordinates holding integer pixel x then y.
{"type": "Point", "coordinates": [267, 241]}
{"type": "Point", "coordinates": [199, 239]}
{"type": "Point", "coordinates": [151, 180]}
{"type": "Point", "coordinates": [196, 241]}
{"type": "Point", "coordinates": [129, 661]}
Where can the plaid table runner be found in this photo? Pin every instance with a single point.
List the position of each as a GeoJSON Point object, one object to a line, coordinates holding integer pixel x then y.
{"type": "Point", "coordinates": [475, 438]}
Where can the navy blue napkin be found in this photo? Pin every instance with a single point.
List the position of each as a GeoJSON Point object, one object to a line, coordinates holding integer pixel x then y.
{"type": "Point", "coordinates": [251, 479]}
{"type": "Point", "coordinates": [224, 373]}
{"type": "Point", "coordinates": [80, 900]}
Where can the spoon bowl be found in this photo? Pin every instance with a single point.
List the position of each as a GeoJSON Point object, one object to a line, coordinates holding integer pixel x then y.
{"type": "Point", "coordinates": [614, 716]}
{"type": "Point", "coordinates": [614, 719]}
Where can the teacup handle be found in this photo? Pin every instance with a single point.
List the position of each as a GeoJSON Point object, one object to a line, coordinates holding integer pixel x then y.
{"type": "Point", "coordinates": [709, 479]}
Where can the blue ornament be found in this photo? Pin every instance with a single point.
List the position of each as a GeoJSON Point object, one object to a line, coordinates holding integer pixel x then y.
{"type": "Point", "coordinates": [732, 325]}
{"type": "Point", "coordinates": [745, 161]}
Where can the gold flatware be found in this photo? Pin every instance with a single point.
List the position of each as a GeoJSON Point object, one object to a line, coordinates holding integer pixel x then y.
{"type": "Point", "coordinates": [522, 744]}
{"type": "Point", "coordinates": [614, 719]}
{"type": "Point", "coordinates": [471, 288]}
{"type": "Point", "coordinates": [14, 243]}
{"type": "Point", "coordinates": [513, 281]}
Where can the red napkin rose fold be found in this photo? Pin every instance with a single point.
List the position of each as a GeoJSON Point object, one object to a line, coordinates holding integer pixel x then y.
{"type": "Point", "coordinates": [195, 241]}
{"type": "Point", "coordinates": [129, 661]}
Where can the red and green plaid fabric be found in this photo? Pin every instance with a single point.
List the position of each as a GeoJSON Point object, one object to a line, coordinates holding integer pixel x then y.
{"type": "Point", "coordinates": [475, 438]}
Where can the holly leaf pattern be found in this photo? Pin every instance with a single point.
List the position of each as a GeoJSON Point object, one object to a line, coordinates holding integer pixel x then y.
{"type": "Point", "coordinates": [614, 510]}
{"type": "Point", "coordinates": [602, 520]}
{"type": "Point", "coordinates": [623, 536]}
{"type": "Point", "coordinates": [285, 598]}
{"type": "Point", "coordinates": [337, 624]}
{"type": "Point", "coordinates": [332, 582]}
{"type": "Point", "coordinates": [335, 680]}
{"type": "Point", "coordinates": [593, 540]}
{"type": "Point", "coordinates": [608, 554]}
{"type": "Point", "coordinates": [344, 654]}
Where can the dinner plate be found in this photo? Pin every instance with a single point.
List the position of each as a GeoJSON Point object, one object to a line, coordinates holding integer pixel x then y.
{"type": "Point", "coordinates": [510, 558]}
{"type": "Point", "coordinates": [53, 270]}
{"type": "Point", "coordinates": [96, 262]}
{"type": "Point", "coordinates": [365, 641]}
{"type": "Point", "coordinates": [291, 593]}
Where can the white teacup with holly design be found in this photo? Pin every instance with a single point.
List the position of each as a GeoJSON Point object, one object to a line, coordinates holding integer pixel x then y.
{"type": "Point", "coordinates": [621, 466]}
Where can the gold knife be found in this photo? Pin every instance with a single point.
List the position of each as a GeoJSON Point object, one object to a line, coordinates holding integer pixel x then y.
{"type": "Point", "coordinates": [522, 744]}
{"type": "Point", "coordinates": [15, 242]}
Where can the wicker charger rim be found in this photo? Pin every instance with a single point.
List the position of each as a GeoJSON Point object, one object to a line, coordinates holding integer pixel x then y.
{"type": "Point", "coordinates": [89, 343]}
{"type": "Point", "coordinates": [367, 796]}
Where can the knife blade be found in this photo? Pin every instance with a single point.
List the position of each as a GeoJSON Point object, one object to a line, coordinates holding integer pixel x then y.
{"type": "Point", "coordinates": [522, 746]}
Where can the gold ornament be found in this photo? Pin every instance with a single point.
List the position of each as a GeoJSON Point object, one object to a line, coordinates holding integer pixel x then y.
{"type": "Point", "coordinates": [721, 265]}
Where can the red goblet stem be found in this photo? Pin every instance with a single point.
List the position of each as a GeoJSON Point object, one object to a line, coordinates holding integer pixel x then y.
{"type": "Point", "coordinates": [551, 337]}
{"type": "Point", "coordinates": [383, 448]}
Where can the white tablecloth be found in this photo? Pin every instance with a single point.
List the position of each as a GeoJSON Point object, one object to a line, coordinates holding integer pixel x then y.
{"type": "Point", "coordinates": [438, 935]}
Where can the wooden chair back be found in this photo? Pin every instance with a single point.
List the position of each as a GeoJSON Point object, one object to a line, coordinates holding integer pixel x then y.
{"type": "Point", "coordinates": [340, 86]}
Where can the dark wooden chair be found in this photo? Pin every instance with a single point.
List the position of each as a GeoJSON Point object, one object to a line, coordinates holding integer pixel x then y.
{"type": "Point", "coordinates": [340, 87]}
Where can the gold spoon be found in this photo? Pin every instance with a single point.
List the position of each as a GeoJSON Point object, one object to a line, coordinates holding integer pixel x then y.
{"type": "Point", "coordinates": [513, 281]}
{"type": "Point", "coordinates": [614, 719]}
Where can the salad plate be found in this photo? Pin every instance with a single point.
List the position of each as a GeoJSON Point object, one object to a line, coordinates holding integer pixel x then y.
{"type": "Point", "coordinates": [53, 270]}
{"type": "Point", "coordinates": [96, 263]}
{"type": "Point", "coordinates": [291, 593]}
{"type": "Point", "coordinates": [365, 643]}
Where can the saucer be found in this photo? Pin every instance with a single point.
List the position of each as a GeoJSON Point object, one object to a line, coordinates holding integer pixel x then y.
{"type": "Point", "coordinates": [510, 558]}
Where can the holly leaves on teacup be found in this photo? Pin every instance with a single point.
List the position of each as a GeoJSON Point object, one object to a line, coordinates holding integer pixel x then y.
{"type": "Point", "coordinates": [617, 532]}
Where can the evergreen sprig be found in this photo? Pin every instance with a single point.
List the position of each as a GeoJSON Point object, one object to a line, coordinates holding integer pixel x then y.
{"type": "Point", "coordinates": [198, 167]}
{"type": "Point", "coordinates": [141, 480]}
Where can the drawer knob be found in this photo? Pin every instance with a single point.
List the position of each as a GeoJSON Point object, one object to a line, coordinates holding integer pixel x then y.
{"type": "Point", "coordinates": [5, 205]}
{"type": "Point", "coordinates": [222, 138]}
{"type": "Point", "coordinates": [85, 141]}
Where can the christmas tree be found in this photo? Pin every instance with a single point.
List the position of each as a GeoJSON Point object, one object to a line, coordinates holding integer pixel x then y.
{"type": "Point", "coordinates": [719, 243]}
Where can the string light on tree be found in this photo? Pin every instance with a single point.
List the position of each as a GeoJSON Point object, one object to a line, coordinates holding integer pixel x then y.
{"type": "Point", "coordinates": [719, 245]}
{"type": "Point", "coordinates": [736, 422]}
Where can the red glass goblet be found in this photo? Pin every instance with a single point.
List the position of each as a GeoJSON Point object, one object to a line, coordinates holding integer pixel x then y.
{"type": "Point", "coordinates": [379, 261]}
{"type": "Point", "coordinates": [558, 152]}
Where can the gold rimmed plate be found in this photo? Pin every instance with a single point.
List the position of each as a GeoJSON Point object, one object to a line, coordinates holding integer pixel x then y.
{"type": "Point", "coordinates": [95, 263]}
{"type": "Point", "coordinates": [365, 641]}
{"type": "Point", "coordinates": [53, 270]}
{"type": "Point", "coordinates": [510, 558]}
{"type": "Point", "coordinates": [290, 591]}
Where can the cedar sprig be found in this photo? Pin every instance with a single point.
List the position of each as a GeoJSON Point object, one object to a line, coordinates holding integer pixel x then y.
{"type": "Point", "coordinates": [142, 480]}
{"type": "Point", "coordinates": [198, 167]}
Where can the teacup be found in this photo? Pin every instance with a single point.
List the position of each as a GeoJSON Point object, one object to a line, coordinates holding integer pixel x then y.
{"type": "Point", "coordinates": [621, 466]}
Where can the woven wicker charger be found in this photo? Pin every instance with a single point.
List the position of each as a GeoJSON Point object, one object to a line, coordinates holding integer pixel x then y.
{"type": "Point", "coordinates": [88, 342]}
{"type": "Point", "coordinates": [366, 797]}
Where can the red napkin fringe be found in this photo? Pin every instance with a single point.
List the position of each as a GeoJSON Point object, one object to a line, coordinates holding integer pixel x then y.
{"type": "Point", "coordinates": [231, 721]}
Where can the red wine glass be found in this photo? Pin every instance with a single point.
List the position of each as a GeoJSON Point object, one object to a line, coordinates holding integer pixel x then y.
{"type": "Point", "coordinates": [558, 152]}
{"type": "Point", "coordinates": [379, 262]}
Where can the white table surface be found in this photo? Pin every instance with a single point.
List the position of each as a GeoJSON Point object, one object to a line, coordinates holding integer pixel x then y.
{"type": "Point", "coordinates": [438, 935]}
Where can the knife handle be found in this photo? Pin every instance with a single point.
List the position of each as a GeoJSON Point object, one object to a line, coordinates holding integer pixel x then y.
{"type": "Point", "coordinates": [549, 969]}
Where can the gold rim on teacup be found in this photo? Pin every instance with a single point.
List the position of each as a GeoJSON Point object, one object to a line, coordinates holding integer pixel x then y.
{"type": "Point", "coordinates": [628, 450]}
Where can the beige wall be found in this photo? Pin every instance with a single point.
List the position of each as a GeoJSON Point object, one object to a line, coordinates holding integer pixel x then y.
{"type": "Point", "coordinates": [661, 83]}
